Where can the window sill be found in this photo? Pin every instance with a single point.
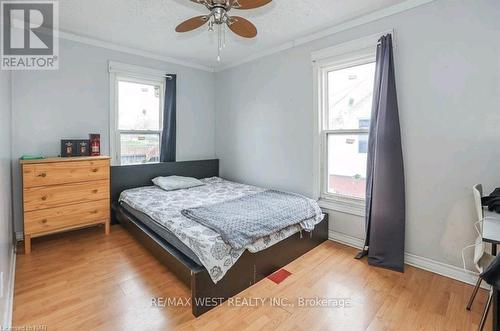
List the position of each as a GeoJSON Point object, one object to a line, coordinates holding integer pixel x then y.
{"type": "Point", "coordinates": [343, 205]}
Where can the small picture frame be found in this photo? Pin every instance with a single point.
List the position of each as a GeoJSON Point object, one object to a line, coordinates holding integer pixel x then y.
{"type": "Point", "coordinates": [68, 148]}
{"type": "Point", "coordinates": [83, 147]}
{"type": "Point", "coordinates": [95, 144]}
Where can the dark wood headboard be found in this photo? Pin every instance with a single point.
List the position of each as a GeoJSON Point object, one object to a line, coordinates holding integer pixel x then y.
{"type": "Point", "coordinates": [126, 177]}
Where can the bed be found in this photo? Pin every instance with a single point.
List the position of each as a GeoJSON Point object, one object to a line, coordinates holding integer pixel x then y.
{"type": "Point", "coordinates": [213, 270]}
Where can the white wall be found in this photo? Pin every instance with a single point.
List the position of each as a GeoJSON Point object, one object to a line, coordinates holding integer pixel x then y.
{"type": "Point", "coordinates": [6, 242]}
{"type": "Point", "coordinates": [447, 67]}
{"type": "Point", "coordinates": [74, 101]}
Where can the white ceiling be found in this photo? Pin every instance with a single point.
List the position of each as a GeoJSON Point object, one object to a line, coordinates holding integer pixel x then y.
{"type": "Point", "coordinates": [149, 25]}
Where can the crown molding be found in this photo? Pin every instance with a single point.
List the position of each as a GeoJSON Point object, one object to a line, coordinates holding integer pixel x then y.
{"type": "Point", "coordinates": [124, 49]}
{"type": "Point", "coordinates": [374, 16]}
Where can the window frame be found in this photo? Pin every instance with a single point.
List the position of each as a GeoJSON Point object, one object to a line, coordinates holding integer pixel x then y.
{"type": "Point", "coordinates": [134, 74]}
{"type": "Point", "coordinates": [354, 53]}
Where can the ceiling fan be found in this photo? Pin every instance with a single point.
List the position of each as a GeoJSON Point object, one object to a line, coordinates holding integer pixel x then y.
{"type": "Point", "coordinates": [219, 16]}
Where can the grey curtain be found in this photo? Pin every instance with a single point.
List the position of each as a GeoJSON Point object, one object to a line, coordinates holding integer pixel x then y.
{"type": "Point", "coordinates": [168, 138]}
{"type": "Point", "coordinates": [385, 187]}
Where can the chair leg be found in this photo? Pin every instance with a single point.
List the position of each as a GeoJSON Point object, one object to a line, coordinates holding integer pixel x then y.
{"type": "Point", "coordinates": [486, 310]}
{"type": "Point", "coordinates": [474, 292]}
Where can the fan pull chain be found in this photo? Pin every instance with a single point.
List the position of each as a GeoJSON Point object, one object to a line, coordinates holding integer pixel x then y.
{"type": "Point", "coordinates": [224, 36]}
{"type": "Point", "coordinates": [219, 41]}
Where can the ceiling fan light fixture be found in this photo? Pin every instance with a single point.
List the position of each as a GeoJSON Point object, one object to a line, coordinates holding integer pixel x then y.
{"type": "Point", "coordinates": [219, 16]}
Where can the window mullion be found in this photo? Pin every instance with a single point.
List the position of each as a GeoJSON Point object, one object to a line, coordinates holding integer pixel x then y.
{"type": "Point", "coordinates": [139, 131]}
{"type": "Point", "coordinates": [346, 132]}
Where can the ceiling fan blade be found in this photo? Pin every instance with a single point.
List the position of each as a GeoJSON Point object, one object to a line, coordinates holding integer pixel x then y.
{"type": "Point", "coordinates": [249, 4]}
{"type": "Point", "coordinates": [242, 27]}
{"type": "Point", "coordinates": [192, 23]}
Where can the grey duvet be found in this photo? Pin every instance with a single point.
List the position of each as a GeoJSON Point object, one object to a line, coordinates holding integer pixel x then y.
{"type": "Point", "coordinates": [242, 221]}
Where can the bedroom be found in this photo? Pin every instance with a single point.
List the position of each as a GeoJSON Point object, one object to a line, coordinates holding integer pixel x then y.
{"type": "Point", "coordinates": [265, 118]}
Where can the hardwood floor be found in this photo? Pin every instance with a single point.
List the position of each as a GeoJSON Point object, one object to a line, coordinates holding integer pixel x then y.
{"type": "Point", "coordinates": [88, 281]}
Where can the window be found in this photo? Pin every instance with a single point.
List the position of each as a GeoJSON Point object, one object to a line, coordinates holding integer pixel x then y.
{"type": "Point", "coordinates": [139, 121]}
{"type": "Point", "coordinates": [344, 93]}
{"type": "Point", "coordinates": [137, 118]}
{"type": "Point", "coordinates": [349, 101]}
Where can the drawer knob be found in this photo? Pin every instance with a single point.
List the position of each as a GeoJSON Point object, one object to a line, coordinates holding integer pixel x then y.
{"type": "Point", "coordinates": [43, 174]}
{"type": "Point", "coordinates": [44, 198]}
{"type": "Point", "coordinates": [95, 170]}
{"type": "Point", "coordinates": [44, 221]}
{"type": "Point", "coordinates": [95, 191]}
{"type": "Point", "coordinates": [94, 212]}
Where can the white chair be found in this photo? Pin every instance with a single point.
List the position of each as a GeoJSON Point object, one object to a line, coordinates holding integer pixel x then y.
{"type": "Point", "coordinates": [481, 259]}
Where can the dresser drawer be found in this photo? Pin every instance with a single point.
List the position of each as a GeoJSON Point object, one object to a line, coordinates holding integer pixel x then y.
{"type": "Point", "coordinates": [44, 197]}
{"type": "Point", "coordinates": [64, 172]}
{"type": "Point", "coordinates": [53, 219]}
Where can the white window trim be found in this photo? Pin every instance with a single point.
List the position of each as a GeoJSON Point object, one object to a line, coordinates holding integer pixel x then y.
{"type": "Point", "coordinates": [345, 55]}
{"type": "Point", "coordinates": [131, 73]}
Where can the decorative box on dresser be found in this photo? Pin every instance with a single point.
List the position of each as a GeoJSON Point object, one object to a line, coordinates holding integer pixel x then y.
{"type": "Point", "coordinates": [61, 194]}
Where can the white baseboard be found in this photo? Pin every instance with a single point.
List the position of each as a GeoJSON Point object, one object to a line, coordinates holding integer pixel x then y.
{"type": "Point", "coordinates": [346, 239]}
{"type": "Point", "coordinates": [420, 262]}
{"type": "Point", "coordinates": [9, 306]}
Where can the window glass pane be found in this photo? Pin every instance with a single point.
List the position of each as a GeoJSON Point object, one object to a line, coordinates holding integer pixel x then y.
{"type": "Point", "coordinates": [138, 106]}
{"type": "Point", "coordinates": [350, 94]}
{"type": "Point", "coordinates": [139, 148]}
{"type": "Point", "coordinates": [347, 164]}
{"type": "Point", "coordinates": [363, 145]}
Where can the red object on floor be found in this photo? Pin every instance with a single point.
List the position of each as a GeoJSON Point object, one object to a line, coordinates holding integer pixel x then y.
{"type": "Point", "coordinates": [279, 276]}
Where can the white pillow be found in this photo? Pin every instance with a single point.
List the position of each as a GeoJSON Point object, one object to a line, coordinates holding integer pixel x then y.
{"type": "Point", "coordinates": [171, 183]}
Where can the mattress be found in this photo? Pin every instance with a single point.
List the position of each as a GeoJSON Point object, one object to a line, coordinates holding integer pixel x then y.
{"type": "Point", "coordinates": [164, 208]}
{"type": "Point", "coordinates": [163, 232]}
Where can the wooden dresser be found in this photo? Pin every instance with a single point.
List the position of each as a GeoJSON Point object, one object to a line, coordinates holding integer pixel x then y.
{"type": "Point", "coordinates": [61, 194]}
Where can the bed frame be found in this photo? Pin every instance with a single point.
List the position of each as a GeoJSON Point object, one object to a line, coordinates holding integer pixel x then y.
{"type": "Point", "coordinates": [249, 269]}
